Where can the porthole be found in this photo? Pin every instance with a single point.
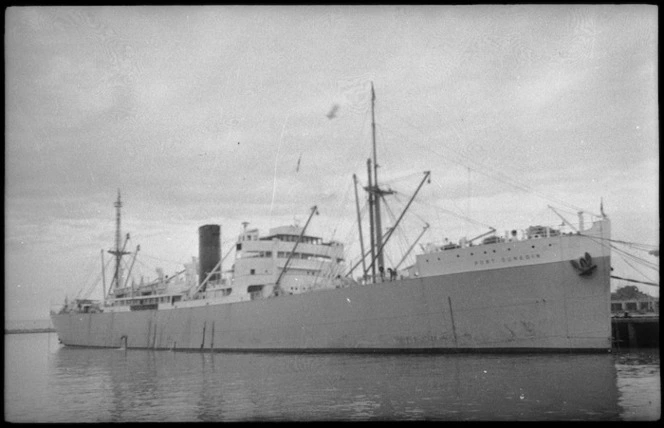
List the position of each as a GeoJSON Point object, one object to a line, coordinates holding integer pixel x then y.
{"type": "Point", "coordinates": [509, 249]}
{"type": "Point", "coordinates": [534, 246]}
{"type": "Point", "coordinates": [471, 254]}
{"type": "Point", "coordinates": [485, 252]}
{"type": "Point", "coordinates": [458, 255]}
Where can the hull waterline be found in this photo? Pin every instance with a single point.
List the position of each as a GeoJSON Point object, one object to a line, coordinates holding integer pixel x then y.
{"type": "Point", "coordinates": [542, 307]}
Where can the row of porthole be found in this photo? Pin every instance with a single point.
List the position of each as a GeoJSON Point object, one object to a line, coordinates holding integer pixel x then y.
{"type": "Point", "coordinates": [472, 254]}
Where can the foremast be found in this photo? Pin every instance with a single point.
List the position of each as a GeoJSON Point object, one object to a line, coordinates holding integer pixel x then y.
{"type": "Point", "coordinates": [118, 252]}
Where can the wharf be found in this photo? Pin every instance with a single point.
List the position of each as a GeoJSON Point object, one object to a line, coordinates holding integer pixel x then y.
{"type": "Point", "coordinates": [635, 331]}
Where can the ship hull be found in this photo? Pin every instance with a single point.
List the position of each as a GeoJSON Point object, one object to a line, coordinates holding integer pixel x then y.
{"type": "Point", "coordinates": [543, 307]}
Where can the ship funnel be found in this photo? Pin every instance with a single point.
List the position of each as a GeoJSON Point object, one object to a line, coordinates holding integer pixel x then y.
{"type": "Point", "coordinates": [209, 251]}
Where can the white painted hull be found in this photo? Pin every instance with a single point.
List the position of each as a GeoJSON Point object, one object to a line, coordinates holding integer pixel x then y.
{"type": "Point", "coordinates": [546, 307]}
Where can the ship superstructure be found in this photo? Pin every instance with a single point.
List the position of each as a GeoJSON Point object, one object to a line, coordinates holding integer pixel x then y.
{"type": "Point", "coordinates": [284, 261]}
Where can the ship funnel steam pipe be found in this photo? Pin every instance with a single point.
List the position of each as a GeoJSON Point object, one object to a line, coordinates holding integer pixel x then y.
{"type": "Point", "coordinates": [209, 251]}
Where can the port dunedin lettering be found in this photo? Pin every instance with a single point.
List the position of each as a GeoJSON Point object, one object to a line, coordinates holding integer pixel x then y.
{"type": "Point", "coordinates": [408, 341]}
{"type": "Point", "coordinates": [507, 259]}
{"type": "Point", "coordinates": [144, 307]}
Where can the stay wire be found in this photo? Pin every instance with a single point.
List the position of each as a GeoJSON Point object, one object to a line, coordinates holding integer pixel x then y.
{"type": "Point", "coordinates": [644, 275]}
{"type": "Point", "coordinates": [635, 258]}
{"type": "Point", "coordinates": [620, 253]}
{"type": "Point", "coordinates": [483, 169]}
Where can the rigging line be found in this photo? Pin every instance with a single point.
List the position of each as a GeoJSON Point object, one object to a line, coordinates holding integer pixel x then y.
{"type": "Point", "coordinates": [385, 148]}
{"type": "Point", "coordinates": [645, 247]}
{"type": "Point", "coordinates": [396, 194]}
{"type": "Point", "coordinates": [423, 220]}
{"type": "Point", "coordinates": [404, 243]}
{"type": "Point", "coordinates": [340, 209]}
{"type": "Point", "coordinates": [634, 280]}
{"type": "Point", "coordinates": [107, 262]}
{"type": "Point", "coordinates": [387, 180]}
{"type": "Point", "coordinates": [160, 259]}
{"type": "Point", "coordinates": [144, 266]}
{"type": "Point", "coordinates": [402, 238]}
{"type": "Point", "coordinates": [636, 258]}
{"type": "Point", "coordinates": [640, 249]}
{"type": "Point", "coordinates": [398, 229]}
{"type": "Point", "coordinates": [609, 247]}
{"type": "Point", "coordinates": [654, 268]}
{"type": "Point", "coordinates": [645, 276]}
{"type": "Point", "coordinates": [351, 234]}
{"type": "Point", "coordinates": [619, 251]}
{"type": "Point", "coordinates": [625, 256]}
{"type": "Point", "coordinates": [482, 169]}
{"type": "Point", "coordinates": [620, 254]}
{"type": "Point", "coordinates": [389, 213]}
{"type": "Point", "coordinates": [389, 260]}
{"type": "Point", "coordinates": [479, 167]}
{"type": "Point", "coordinates": [461, 216]}
{"type": "Point", "coordinates": [639, 259]}
{"type": "Point", "coordinates": [276, 161]}
{"type": "Point", "coordinates": [90, 288]}
{"type": "Point", "coordinates": [87, 277]}
{"type": "Point", "coordinates": [571, 213]}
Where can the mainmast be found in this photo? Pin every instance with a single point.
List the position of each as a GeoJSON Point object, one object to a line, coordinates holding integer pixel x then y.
{"type": "Point", "coordinates": [375, 192]}
{"type": "Point", "coordinates": [372, 217]}
{"type": "Point", "coordinates": [378, 241]}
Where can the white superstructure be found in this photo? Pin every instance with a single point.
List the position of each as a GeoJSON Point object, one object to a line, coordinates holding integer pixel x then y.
{"type": "Point", "coordinates": [536, 245]}
{"type": "Point", "coordinates": [313, 264]}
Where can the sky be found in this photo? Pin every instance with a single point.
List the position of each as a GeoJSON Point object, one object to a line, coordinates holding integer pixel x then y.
{"type": "Point", "coordinates": [222, 114]}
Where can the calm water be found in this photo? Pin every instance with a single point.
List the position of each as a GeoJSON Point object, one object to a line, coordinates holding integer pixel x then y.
{"type": "Point", "coordinates": [45, 382]}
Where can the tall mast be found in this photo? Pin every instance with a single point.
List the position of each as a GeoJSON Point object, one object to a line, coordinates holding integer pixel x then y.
{"type": "Point", "coordinates": [118, 253]}
{"type": "Point", "coordinates": [103, 277]}
{"type": "Point", "coordinates": [359, 224]}
{"type": "Point", "coordinates": [372, 233]}
{"type": "Point", "coordinates": [378, 241]}
{"type": "Point", "coordinates": [373, 135]}
{"type": "Point", "coordinates": [376, 190]}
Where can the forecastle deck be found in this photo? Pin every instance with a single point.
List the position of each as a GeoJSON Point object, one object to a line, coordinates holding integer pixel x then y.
{"type": "Point", "coordinates": [510, 254]}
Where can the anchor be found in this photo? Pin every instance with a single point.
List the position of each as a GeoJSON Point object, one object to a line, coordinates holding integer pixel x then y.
{"type": "Point", "coordinates": [584, 266]}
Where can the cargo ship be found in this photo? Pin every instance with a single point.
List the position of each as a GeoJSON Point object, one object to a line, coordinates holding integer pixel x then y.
{"type": "Point", "coordinates": [539, 289]}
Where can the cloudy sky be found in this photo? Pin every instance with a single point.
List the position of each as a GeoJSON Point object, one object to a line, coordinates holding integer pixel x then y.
{"type": "Point", "coordinates": [220, 115]}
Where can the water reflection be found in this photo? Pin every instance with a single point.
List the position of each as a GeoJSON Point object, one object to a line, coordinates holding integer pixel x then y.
{"type": "Point", "coordinates": [45, 382]}
{"type": "Point", "coordinates": [639, 384]}
{"type": "Point", "coordinates": [168, 386]}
